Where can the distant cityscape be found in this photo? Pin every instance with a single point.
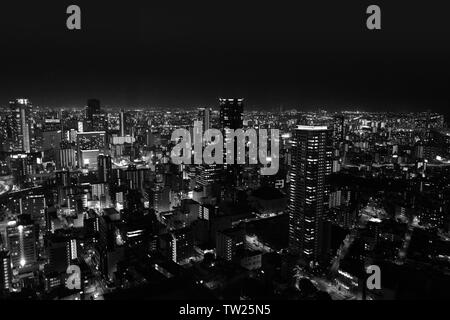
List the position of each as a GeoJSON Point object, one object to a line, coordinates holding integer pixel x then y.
{"type": "Point", "coordinates": [92, 206]}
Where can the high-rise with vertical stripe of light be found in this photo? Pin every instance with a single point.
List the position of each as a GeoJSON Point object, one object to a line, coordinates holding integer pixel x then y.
{"type": "Point", "coordinates": [19, 125]}
{"type": "Point", "coordinates": [308, 192]}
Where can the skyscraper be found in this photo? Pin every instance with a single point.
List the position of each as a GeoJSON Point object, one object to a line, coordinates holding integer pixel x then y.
{"type": "Point", "coordinates": [122, 123]}
{"type": "Point", "coordinates": [231, 113]}
{"type": "Point", "coordinates": [204, 115]}
{"type": "Point", "coordinates": [231, 118]}
{"type": "Point", "coordinates": [96, 118]}
{"type": "Point", "coordinates": [207, 174]}
{"type": "Point", "coordinates": [19, 134]}
{"type": "Point", "coordinates": [93, 107]}
{"type": "Point", "coordinates": [311, 164]}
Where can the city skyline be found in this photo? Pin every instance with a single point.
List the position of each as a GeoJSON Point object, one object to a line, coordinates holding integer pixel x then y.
{"type": "Point", "coordinates": [238, 154]}
{"type": "Point", "coordinates": [93, 199]}
{"type": "Point", "coordinates": [82, 104]}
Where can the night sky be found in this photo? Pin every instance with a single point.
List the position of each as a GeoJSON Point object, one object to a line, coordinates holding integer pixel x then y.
{"type": "Point", "coordinates": [303, 54]}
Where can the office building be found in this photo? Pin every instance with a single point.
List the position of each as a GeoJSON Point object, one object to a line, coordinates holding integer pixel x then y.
{"type": "Point", "coordinates": [229, 242]}
{"type": "Point", "coordinates": [22, 245]}
{"type": "Point", "coordinates": [5, 272]}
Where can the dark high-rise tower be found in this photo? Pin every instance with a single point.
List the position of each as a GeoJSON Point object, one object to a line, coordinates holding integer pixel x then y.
{"type": "Point", "coordinates": [61, 248]}
{"type": "Point", "coordinates": [104, 168]}
{"type": "Point", "coordinates": [93, 107]}
{"type": "Point", "coordinates": [231, 113]}
{"type": "Point", "coordinates": [311, 164]}
{"type": "Point", "coordinates": [95, 117]}
{"type": "Point", "coordinates": [231, 118]}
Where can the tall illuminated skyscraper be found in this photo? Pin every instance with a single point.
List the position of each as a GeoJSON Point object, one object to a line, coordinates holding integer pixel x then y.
{"type": "Point", "coordinates": [19, 125]}
{"type": "Point", "coordinates": [122, 123]}
{"type": "Point", "coordinates": [311, 164]}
